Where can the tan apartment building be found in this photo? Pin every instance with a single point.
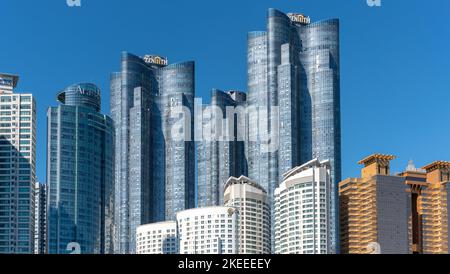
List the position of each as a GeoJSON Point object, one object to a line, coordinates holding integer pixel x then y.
{"type": "Point", "coordinates": [399, 214]}
{"type": "Point", "coordinates": [374, 210]}
{"type": "Point", "coordinates": [434, 208]}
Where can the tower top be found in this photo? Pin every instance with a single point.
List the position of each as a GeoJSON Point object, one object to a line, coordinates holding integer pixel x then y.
{"type": "Point", "coordinates": [311, 164]}
{"type": "Point", "coordinates": [243, 180]}
{"type": "Point", "coordinates": [437, 165]}
{"type": "Point", "coordinates": [376, 158]}
{"type": "Point", "coordinates": [376, 164]}
{"type": "Point", "coordinates": [411, 166]}
{"type": "Point", "coordinates": [8, 82]}
{"type": "Point", "coordinates": [84, 94]}
{"type": "Point", "coordinates": [438, 173]}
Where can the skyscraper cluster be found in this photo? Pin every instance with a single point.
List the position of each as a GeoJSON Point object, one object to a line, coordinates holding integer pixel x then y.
{"type": "Point", "coordinates": [160, 158]}
{"type": "Point", "coordinates": [290, 115]}
{"type": "Point", "coordinates": [253, 172]}
{"type": "Point", "coordinates": [240, 226]}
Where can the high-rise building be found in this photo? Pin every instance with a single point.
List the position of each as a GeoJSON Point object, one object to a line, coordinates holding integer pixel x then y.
{"type": "Point", "coordinates": [157, 238]}
{"type": "Point", "coordinates": [415, 181]}
{"type": "Point", "coordinates": [209, 230]}
{"type": "Point", "coordinates": [294, 82]}
{"type": "Point", "coordinates": [17, 168]}
{"type": "Point", "coordinates": [435, 209]}
{"type": "Point", "coordinates": [251, 201]}
{"type": "Point", "coordinates": [40, 231]}
{"type": "Point", "coordinates": [429, 221]}
{"type": "Point", "coordinates": [155, 173]}
{"type": "Point", "coordinates": [221, 152]}
{"type": "Point", "coordinates": [374, 210]}
{"type": "Point", "coordinates": [303, 209]}
{"type": "Point", "coordinates": [80, 173]}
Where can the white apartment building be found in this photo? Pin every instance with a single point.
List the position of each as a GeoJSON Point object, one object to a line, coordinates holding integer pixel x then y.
{"type": "Point", "coordinates": [302, 210]}
{"type": "Point", "coordinates": [254, 214]}
{"type": "Point", "coordinates": [17, 168]}
{"type": "Point", "coordinates": [157, 238]}
{"type": "Point", "coordinates": [40, 213]}
{"type": "Point", "coordinates": [208, 230]}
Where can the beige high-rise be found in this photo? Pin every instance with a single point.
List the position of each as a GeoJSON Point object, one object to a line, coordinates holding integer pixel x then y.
{"type": "Point", "coordinates": [403, 213]}
{"type": "Point", "coordinates": [373, 210]}
{"type": "Point", "coordinates": [251, 201]}
{"type": "Point", "coordinates": [434, 208]}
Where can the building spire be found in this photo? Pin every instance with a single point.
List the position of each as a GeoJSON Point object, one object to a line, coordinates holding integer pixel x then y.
{"type": "Point", "coordinates": [411, 166]}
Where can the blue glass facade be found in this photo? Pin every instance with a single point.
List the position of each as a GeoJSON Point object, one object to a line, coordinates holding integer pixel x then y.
{"type": "Point", "coordinates": [222, 155]}
{"type": "Point", "coordinates": [80, 173]}
{"type": "Point", "coordinates": [177, 90]}
{"type": "Point", "coordinates": [155, 175]}
{"type": "Point", "coordinates": [258, 164]}
{"type": "Point", "coordinates": [294, 75]}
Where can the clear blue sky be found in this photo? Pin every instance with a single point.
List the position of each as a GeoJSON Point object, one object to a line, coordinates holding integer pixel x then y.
{"type": "Point", "coordinates": [395, 59]}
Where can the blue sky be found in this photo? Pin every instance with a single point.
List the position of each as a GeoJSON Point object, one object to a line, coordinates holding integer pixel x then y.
{"type": "Point", "coordinates": [395, 61]}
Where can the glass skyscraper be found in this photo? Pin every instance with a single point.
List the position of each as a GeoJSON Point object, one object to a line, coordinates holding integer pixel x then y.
{"type": "Point", "coordinates": [17, 168]}
{"type": "Point", "coordinates": [294, 79]}
{"type": "Point", "coordinates": [155, 173]}
{"type": "Point", "coordinates": [221, 154]}
{"type": "Point", "coordinates": [80, 173]}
